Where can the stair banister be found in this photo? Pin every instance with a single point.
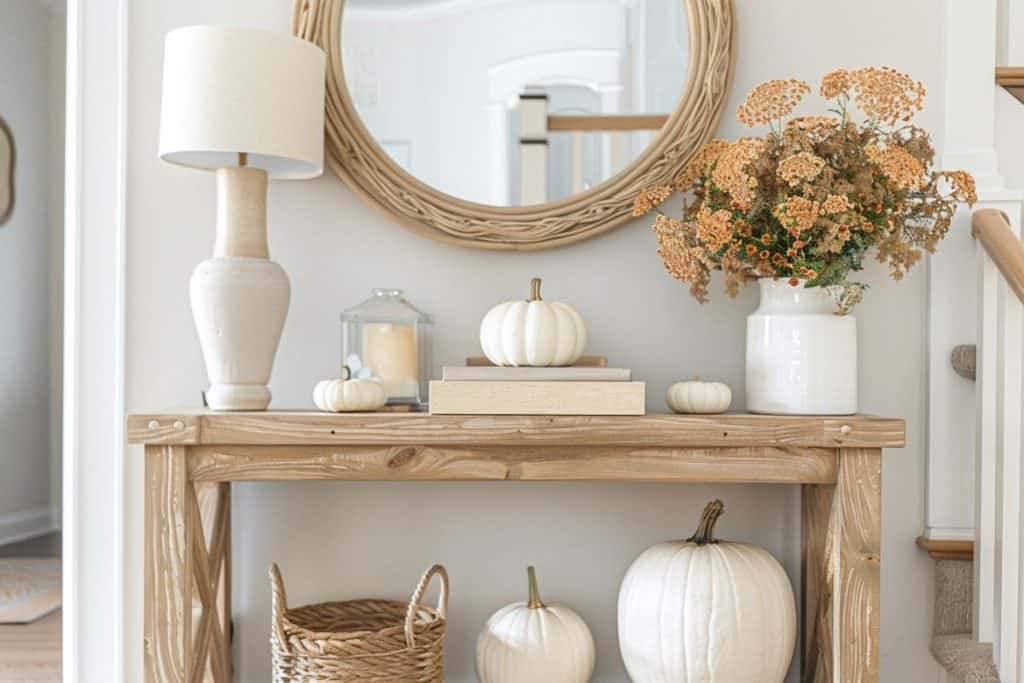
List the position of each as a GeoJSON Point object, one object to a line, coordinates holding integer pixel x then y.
{"type": "Point", "coordinates": [1000, 397]}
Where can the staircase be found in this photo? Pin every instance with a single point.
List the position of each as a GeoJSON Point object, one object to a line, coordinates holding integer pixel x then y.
{"type": "Point", "coordinates": [979, 585]}
{"type": "Point", "coordinates": [953, 645]}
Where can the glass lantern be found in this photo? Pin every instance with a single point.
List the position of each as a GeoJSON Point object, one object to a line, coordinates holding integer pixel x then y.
{"type": "Point", "coordinates": [388, 338]}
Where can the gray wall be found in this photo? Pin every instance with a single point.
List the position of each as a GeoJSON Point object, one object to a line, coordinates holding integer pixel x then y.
{"type": "Point", "coordinates": [345, 540]}
{"type": "Point", "coordinates": [31, 101]}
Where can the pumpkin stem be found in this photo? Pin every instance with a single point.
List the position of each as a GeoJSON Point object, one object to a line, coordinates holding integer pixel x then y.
{"type": "Point", "coordinates": [534, 601]}
{"type": "Point", "coordinates": [535, 289]}
{"type": "Point", "coordinates": [705, 533]}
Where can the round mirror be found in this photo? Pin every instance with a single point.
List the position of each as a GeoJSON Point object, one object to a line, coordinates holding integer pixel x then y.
{"type": "Point", "coordinates": [514, 102]}
{"type": "Point", "coordinates": [517, 124]}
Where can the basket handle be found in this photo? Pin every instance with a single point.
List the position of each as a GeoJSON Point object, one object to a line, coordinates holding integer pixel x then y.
{"type": "Point", "coordinates": [278, 605]}
{"type": "Point", "coordinates": [417, 596]}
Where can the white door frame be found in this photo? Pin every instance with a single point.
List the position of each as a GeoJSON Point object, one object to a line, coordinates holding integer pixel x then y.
{"type": "Point", "coordinates": [94, 288]}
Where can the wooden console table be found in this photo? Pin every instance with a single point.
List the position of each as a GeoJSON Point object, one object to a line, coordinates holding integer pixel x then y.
{"type": "Point", "coordinates": [191, 458]}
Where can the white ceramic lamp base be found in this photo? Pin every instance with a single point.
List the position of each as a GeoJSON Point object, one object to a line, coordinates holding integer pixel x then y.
{"type": "Point", "coordinates": [240, 297]}
{"type": "Point", "coordinates": [239, 306]}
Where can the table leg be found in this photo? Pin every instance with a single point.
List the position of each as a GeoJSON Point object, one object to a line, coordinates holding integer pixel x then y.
{"type": "Point", "coordinates": [858, 564]}
{"type": "Point", "coordinates": [168, 584]}
{"type": "Point", "coordinates": [842, 534]}
{"type": "Point", "coordinates": [816, 582]}
{"type": "Point", "coordinates": [187, 593]}
{"type": "Point", "coordinates": [211, 601]}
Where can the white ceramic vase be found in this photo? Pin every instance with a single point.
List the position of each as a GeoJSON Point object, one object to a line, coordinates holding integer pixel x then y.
{"type": "Point", "coordinates": [239, 305]}
{"type": "Point", "coordinates": [801, 356]}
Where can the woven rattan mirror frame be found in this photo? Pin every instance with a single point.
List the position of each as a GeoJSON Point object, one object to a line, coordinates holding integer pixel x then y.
{"type": "Point", "coordinates": [356, 157]}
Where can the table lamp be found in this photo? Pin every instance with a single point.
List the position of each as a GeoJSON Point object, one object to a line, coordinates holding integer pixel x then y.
{"type": "Point", "coordinates": [249, 105]}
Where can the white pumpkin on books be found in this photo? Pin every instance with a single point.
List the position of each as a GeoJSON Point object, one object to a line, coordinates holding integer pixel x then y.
{"type": "Point", "coordinates": [533, 332]}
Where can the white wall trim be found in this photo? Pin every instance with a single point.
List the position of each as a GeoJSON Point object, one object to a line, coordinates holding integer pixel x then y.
{"type": "Point", "coordinates": [94, 277]}
{"type": "Point", "coordinates": [949, 533]}
{"type": "Point", "coordinates": [26, 524]}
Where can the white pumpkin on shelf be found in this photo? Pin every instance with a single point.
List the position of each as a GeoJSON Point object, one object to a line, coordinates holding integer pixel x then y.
{"type": "Point", "coordinates": [533, 333]}
{"type": "Point", "coordinates": [349, 395]}
{"type": "Point", "coordinates": [530, 642]}
{"type": "Point", "coordinates": [705, 610]}
{"type": "Point", "coordinates": [695, 396]}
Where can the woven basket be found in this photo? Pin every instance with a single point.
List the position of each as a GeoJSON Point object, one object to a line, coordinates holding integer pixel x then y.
{"type": "Point", "coordinates": [360, 640]}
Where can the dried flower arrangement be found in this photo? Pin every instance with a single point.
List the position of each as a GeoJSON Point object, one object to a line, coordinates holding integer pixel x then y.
{"type": "Point", "coordinates": [808, 199]}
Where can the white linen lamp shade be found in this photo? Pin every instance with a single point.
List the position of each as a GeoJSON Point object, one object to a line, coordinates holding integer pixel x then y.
{"type": "Point", "coordinates": [248, 104]}
{"type": "Point", "coordinates": [228, 90]}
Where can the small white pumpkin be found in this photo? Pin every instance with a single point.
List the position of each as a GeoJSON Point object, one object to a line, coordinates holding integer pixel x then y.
{"type": "Point", "coordinates": [696, 396]}
{"type": "Point", "coordinates": [349, 395]}
{"type": "Point", "coordinates": [533, 333]}
{"type": "Point", "coordinates": [530, 642]}
{"type": "Point", "coordinates": [708, 611]}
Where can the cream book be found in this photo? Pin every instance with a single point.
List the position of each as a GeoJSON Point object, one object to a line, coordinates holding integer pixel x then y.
{"type": "Point", "coordinates": [576, 373]}
{"type": "Point", "coordinates": [536, 398]}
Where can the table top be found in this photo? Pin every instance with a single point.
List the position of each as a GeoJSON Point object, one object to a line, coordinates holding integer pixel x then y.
{"type": "Point", "coordinates": [283, 427]}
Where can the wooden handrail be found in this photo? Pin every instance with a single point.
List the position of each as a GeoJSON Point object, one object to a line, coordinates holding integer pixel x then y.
{"type": "Point", "coordinates": [607, 122]}
{"type": "Point", "coordinates": [1012, 80]}
{"type": "Point", "coordinates": [991, 227]}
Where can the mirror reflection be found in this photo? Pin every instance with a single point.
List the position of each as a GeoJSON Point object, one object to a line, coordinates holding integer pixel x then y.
{"type": "Point", "coordinates": [514, 102]}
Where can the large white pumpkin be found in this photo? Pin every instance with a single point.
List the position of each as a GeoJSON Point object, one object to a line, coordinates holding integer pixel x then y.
{"type": "Point", "coordinates": [708, 611]}
{"type": "Point", "coordinates": [530, 642]}
{"type": "Point", "coordinates": [533, 333]}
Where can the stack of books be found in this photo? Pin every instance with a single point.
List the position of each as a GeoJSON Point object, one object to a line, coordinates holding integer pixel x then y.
{"type": "Point", "coordinates": [587, 388]}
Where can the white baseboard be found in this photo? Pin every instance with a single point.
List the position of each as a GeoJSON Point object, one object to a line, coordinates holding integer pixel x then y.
{"type": "Point", "coordinates": [21, 526]}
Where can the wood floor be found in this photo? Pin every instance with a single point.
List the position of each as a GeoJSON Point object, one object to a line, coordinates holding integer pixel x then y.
{"type": "Point", "coordinates": [30, 653]}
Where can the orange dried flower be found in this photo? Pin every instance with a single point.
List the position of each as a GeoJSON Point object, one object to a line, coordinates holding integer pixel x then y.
{"type": "Point", "coordinates": [836, 83]}
{"type": "Point", "coordinates": [886, 95]}
{"type": "Point", "coordinates": [649, 198]}
{"type": "Point", "coordinates": [899, 166]}
{"type": "Point", "coordinates": [700, 165]}
{"type": "Point", "coordinates": [714, 228]}
{"type": "Point", "coordinates": [963, 184]}
{"type": "Point", "coordinates": [797, 213]}
{"type": "Point", "coordinates": [811, 200]}
{"type": "Point", "coordinates": [730, 173]}
{"type": "Point", "coordinates": [771, 101]}
{"type": "Point", "coordinates": [819, 125]}
{"type": "Point", "coordinates": [683, 260]}
{"type": "Point", "coordinates": [836, 203]}
{"type": "Point", "coordinates": [801, 167]}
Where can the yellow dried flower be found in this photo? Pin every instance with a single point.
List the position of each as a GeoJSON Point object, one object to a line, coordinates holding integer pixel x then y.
{"type": "Point", "coordinates": [714, 228]}
{"type": "Point", "coordinates": [700, 164]}
{"type": "Point", "coordinates": [802, 167]}
{"type": "Point", "coordinates": [836, 83]}
{"type": "Point", "coordinates": [898, 165]}
{"type": "Point", "coordinates": [771, 101]}
{"type": "Point", "coordinates": [836, 203]}
{"type": "Point", "coordinates": [886, 95]}
{"type": "Point", "coordinates": [649, 198]}
{"type": "Point", "coordinates": [797, 213]}
{"type": "Point", "coordinates": [964, 188]}
{"type": "Point", "coordinates": [730, 172]}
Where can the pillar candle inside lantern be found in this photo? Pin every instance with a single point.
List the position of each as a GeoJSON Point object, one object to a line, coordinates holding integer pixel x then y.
{"type": "Point", "coordinates": [391, 352]}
